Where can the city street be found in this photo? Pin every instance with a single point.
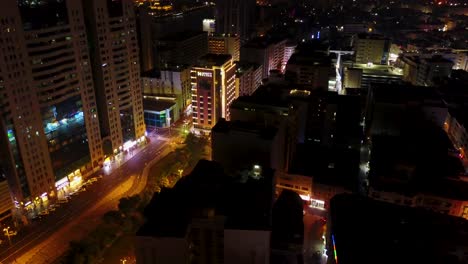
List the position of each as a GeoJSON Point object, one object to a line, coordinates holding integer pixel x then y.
{"type": "Point", "coordinates": [38, 243]}
{"type": "Point", "coordinates": [314, 232]}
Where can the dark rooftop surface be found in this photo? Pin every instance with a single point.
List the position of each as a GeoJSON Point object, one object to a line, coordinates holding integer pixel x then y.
{"type": "Point", "coordinates": [244, 65]}
{"type": "Point", "coordinates": [267, 95]}
{"type": "Point", "coordinates": [224, 126]}
{"type": "Point", "coordinates": [417, 161]}
{"type": "Point", "coordinates": [157, 105]}
{"type": "Point", "coordinates": [151, 74]}
{"type": "Point", "coordinates": [369, 231]}
{"type": "Point", "coordinates": [370, 36]}
{"type": "Point", "coordinates": [207, 187]}
{"type": "Point", "coordinates": [181, 36]}
{"type": "Point", "coordinates": [391, 93]}
{"type": "Point", "coordinates": [314, 59]}
{"type": "Point", "coordinates": [210, 60]}
{"type": "Point", "coordinates": [330, 166]}
{"type": "Point", "coordinates": [262, 42]}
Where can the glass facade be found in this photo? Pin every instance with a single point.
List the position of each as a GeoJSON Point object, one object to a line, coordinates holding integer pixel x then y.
{"type": "Point", "coordinates": [23, 181]}
{"type": "Point", "coordinates": [158, 119]}
{"type": "Point", "coordinates": [128, 124]}
{"type": "Point", "coordinates": [65, 131]}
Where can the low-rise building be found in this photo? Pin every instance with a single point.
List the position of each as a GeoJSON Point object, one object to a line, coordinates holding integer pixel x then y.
{"type": "Point", "coordinates": [160, 112]}
{"type": "Point", "coordinates": [172, 81]}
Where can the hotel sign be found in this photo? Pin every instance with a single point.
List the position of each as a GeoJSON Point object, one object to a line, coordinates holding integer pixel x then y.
{"type": "Point", "coordinates": [205, 74]}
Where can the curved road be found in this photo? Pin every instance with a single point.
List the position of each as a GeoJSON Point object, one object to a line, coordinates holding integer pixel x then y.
{"type": "Point", "coordinates": [42, 229]}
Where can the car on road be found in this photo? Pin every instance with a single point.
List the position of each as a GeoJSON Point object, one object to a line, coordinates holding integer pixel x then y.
{"type": "Point", "coordinates": [43, 213]}
{"type": "Point", "coordinates": [64, 200]}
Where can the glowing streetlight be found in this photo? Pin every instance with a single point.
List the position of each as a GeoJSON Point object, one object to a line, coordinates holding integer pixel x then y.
{"type": "Point", "coordinates": [9, 233]}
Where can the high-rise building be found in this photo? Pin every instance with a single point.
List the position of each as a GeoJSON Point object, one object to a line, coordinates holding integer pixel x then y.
{"type": "Point", "coordinates": [235, 17]}
{"type": "Point", "coordinates": [50, 134]}
{"type": "Point", "coordinates": [224, 44]}
{"type": "Point", "coordinates": [181, 48]}
{"type": "Point", "coordinates": [213, 90]}
{"type": "Point", "coordinates": [116, 69]}
{"type": "Point", "coordinates": [289, 49]}
{"type": "Point", "coordinates": [248, 77]}
{"type": "Point", "coordinates": [312, 71]}
{"type": "Point", "coordinates": [268, 52]}
{"type": "Point", "coordinates": [424, 71]}
{"type": "Point", "coordinates": [371, 48]}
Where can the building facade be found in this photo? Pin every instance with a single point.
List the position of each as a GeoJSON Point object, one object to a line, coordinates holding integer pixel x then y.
{"type": "Point", "coordinates": [181, 48]}
{"type": "Point", "coordinates": [267, 52]}
{"type": "Point", "coordinates": [116, 68]}
{"type": "Point", "coordinates": [50, 128]}
{"type": "Point", "coordinates": [313, 72]}
{"type": "Point", "coordinates": [235, 17]}
{"type": "Point", "coordinates": [213, 90]}
{"type": "Point", "coordinates": [248, 78]}
{"type": "Point", "coordinates": [171, 81]}
{"type": "Point", "coordinates": [224, 44]}
{"type": "Point", "coordinates": [371, 48]}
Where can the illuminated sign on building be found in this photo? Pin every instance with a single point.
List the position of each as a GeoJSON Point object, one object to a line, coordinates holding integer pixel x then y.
{"type": "Point", "coordinates": [318, 204]}
{"type": "Point", "coordinates": [205, 74]}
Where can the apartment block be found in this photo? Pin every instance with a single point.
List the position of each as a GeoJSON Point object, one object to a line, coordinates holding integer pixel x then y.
{"type": "Point", "coordinates": [50, 135]}
{"type": "Point", "coordinates": [371, 48]}
{"type": "Point", "coordinates": [224, 44]}
{"type": "Point", "coordinates": [116, 69]}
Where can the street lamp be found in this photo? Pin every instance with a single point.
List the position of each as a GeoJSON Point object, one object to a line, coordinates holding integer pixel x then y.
{"type": "Point", "coordinates": [180, 172]}
{"type": "Point", "coordinates": [8, 233]}
{"type": "Point", "coordinates": [168, 119]}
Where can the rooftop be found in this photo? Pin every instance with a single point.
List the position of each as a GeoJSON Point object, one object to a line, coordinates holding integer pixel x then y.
{"type": "Point", "coordinates": [224, 126]}
{"type": "Point", "coordinates": [181, 36]}
{"type": "Point", "coordinates": [210, 60]}
{"type": "Point", "coordinates": [404, 94]}
{"type": "Point", "coordinates": [368, 231]}
{"type": "Point", "coordinates": [313, 59]}
{"type": "Point", "coordinates": [262, 42]}
{"type": "Point", "coordinates": [205, 190]}
{"type": "Point", "coordinates": [270, 95]}
{"type": "Point", "coordinates": [157, 105]}
{"type": "Point", "coordinates": [371, 36]}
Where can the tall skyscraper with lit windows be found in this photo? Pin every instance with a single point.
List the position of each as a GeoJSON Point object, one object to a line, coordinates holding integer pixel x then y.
{"type": "Point", "coordinates": [50, 134]}
{"type": "Point", "coordinates": [235, 17]}
{"type": "Point", "coordinates": [116, 71]}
